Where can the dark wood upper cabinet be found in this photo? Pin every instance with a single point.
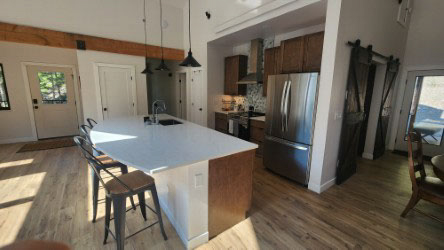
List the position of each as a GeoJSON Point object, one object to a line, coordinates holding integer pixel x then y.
{"type": "Point", "coordinates": [272, 65]}
{"type": "Point", "coordinates": [292, 55]}
{"type": "Point", "coordinates": [313, 52]}
{"type": "Point", "coordinates": [235, 69]}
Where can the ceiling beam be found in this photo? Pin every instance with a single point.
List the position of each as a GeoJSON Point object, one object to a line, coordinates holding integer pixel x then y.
{"type": "Point", "coordinates": [31, 35]}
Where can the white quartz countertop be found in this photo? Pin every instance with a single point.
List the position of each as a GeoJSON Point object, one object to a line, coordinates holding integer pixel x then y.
{"type": "Point", "coordinates": [258, 118]}
{"type": "Point", "coordinates": [155, 148]}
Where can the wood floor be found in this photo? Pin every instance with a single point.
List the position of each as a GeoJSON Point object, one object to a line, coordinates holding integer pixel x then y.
{"type": "Point", "coordinates": [46, 195]}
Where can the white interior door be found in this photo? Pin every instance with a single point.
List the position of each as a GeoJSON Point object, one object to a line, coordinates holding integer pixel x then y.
{"type": "Point", "coordinates": [196, 106]}
{"type": "Point", "coordinates": [117, 91]}
{"type": "Point", "coordinates": [181, 96]}
{"type": "Point", "coordinates": [53, 98]}
{"type": "Point", "coordinates": [423, 110]}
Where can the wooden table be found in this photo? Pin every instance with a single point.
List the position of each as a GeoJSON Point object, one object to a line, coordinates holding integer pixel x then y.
{"type": "Point", "coordinates": [438, 166]}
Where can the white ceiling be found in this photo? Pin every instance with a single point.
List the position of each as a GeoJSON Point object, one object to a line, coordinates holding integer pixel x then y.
{"type": "Point", "coordinates": [310, 15]}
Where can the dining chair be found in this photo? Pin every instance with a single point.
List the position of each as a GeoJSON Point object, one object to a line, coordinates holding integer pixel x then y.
{"type": "Point", "coordinates": [423, 187]}
{"type": "Point", "coordinates": [91, 122]}
{"type": "Point", "coordinates": [88, 149]}
{"type": "Point", "coordinates": [118, 189]}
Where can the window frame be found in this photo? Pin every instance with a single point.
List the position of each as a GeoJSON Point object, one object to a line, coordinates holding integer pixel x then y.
{"type": "Point", "coordinates": [6, 90]}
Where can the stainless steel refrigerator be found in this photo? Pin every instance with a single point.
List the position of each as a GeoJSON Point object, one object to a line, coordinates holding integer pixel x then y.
{"type": "Point", "coordinates": [289, 124]}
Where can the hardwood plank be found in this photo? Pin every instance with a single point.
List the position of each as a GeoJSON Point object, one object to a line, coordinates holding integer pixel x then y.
{"type": "Point", "coordinates": [45, 37]}
{"type": "Point", "coordinates": [47, 195]}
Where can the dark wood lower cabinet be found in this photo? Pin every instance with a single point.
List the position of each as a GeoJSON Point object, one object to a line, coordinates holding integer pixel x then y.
{"type": "Point", "coordinates": [257, 134]}
{"type": "Point", "coordinates": [221, 122]}
{"type": "Point", "coordinates": [230, 189]}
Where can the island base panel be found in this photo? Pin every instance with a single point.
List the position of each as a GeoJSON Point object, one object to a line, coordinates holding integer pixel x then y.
{"type": "Point", "coordinates": [230, 187]}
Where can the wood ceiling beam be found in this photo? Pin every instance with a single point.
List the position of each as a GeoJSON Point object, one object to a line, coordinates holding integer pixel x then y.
{"type": "Point", "coordinates": [37, 36]}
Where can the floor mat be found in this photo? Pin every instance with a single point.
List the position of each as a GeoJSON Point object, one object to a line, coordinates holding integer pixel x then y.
{"type": "Point", "coordinates": [48, 144]}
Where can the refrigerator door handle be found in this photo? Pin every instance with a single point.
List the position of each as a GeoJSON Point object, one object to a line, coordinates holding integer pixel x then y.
{"type": "Point", "coordinates": [287, 96]}
{"type": "Point", "coordinates": [284, 90]}
{"type": "Point", "coordinates": [278, 140]}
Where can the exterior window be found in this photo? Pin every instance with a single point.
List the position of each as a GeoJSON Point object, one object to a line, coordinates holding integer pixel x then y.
{"type": "Point", "coordinates": [52, 87]}
{"type": "Point", "coordinates": [4, 99]}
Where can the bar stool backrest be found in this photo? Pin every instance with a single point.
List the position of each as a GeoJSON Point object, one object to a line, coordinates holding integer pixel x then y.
{"type": "Point", "coordinates": [91, 122]}
{"type": "Point", "coordinates": [416, 161]}
{"type": "Point", "coordinates": [95, 164]}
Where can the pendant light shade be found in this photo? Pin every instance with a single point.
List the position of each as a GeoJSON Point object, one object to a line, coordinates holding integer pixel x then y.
{"type": "Point", "coordinates": [162, 66]}
{"type": "Point", "coordinates": [189, 60]}
{"type": "Point", "coordinates": [147, 69]}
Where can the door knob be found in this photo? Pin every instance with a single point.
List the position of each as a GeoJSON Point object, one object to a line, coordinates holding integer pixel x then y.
{"type": "Point", "coordinates": [36, 107]}
{"type": "Point", "coordinates": [200, 109]}
{"type": "Point", "coordinates": [105, 109]}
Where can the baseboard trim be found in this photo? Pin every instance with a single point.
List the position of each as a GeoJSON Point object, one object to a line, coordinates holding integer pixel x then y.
{"type": "Point", "coordinates": [367, 156]}
{"type": "Point", "coordinates": [16, 140]}
{"type": "Point", "coordinates": [189, 243]}
{"type": "Point", "coordinates": [321, 188]}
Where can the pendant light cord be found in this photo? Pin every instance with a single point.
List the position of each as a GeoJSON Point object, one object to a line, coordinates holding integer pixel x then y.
{"type": "Point", "coordinates": [144, 22]}
{"type": "Point", "coordinates": [161, 28]}
{"type": "Point", "coordinates": [189, 22]}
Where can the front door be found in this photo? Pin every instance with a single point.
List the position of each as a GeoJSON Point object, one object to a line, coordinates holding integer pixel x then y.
{"type": "Point", "coordinates": [117, 91]}
{"type": "Point", "coordinates": [423, 110]}
{"type": "Point", "coordinates": [53, 99]}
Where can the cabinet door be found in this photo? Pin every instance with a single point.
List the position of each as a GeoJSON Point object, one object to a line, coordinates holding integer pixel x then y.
{"type": "Point", "coordinates": [235, 69]}
{"type": "Point", "coordinates": [230, 75]}
{"type": "Point", "coordinates": [269, 67]}
{"type": "Point", "coordinates": [272, 65]}
{"type": "Point", "coordinates": [313, 52]}
{"type": "Point", "coordinates": [292, 55]}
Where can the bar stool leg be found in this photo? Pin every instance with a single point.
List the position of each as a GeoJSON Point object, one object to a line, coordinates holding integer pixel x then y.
{"type": "Point", "coordinates": [158, 211]}
{"type": "Point", "coordinates": [124, 170]}
{"type": "Point", "coordinates": [141, 196]}
{"type": "Point", "coordinates": [119, 205]}
{"type": "Point", "coordinates": [95, 194]}
{"type": "Point", "coordinates": [107, 217]}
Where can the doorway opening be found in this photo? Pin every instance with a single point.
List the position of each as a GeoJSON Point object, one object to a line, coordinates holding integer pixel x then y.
{"type": "Point", "coordinates": [423, 111]}
{"type": "Point", "coordinates": [367, 106]}
{"type": "Point", "coordinates": [181, 95]}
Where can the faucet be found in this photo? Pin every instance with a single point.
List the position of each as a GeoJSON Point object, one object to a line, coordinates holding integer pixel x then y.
{"type": "Point", "coordinates": [155, 107]}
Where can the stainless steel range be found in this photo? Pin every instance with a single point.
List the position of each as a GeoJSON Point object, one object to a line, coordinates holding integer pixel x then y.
{"type": "Point", "coordinates": [239, 124]}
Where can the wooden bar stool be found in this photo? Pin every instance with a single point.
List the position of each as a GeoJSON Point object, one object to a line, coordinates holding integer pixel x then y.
{"type": "Point", "coordinates": [120, 188]}
{"type": "Point", "coordinates": [423, 187]}
{"type": "Point", "coordinates": [87, 148]}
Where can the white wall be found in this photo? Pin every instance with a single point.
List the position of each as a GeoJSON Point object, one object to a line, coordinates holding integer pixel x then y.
{"type": "Point", "coordinates": [374, 22]}
{"type": "Point", "coordinates": [114, 19]}
{"type": "Point", "coordinates": [424, 49]}
{"type": "Point", "coordinates": [86, 60]}
{"type": "Point", "coordinates": [15, 124]}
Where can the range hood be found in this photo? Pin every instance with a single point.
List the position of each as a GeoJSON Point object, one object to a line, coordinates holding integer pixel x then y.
{"type": "Point", "coordinates": [254, 76]}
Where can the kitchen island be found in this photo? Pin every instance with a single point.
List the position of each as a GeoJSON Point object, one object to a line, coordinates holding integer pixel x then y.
{"type": "Point", "coordinates": [203, 177]}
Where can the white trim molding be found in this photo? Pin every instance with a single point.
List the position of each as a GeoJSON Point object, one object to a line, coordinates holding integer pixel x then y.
{"type": "Point", "coordinates": [19, 139]}
{"type": "Point", "coordinates": [321, 188]}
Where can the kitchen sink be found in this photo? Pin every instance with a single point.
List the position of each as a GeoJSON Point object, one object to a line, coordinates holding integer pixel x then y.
{"type": "Point", "coordinates": [169, 122]}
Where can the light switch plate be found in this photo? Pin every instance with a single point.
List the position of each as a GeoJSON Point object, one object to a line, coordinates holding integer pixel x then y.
{"type": "Point", "coordinates": [198, 180]}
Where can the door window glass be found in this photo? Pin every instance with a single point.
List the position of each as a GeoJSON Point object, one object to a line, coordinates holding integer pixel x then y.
{"type": "Point", "coordinates": [52, 87]}
{"type": "Point", "coordinates": [4, 100]}
{"type": "Point", "coordinates": [427, 109]}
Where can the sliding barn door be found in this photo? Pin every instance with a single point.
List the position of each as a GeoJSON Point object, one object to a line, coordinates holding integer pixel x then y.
{"type": "Point", "coordinates": [354, 114]}
{"type": "Point", "coordinates": [386, 108]}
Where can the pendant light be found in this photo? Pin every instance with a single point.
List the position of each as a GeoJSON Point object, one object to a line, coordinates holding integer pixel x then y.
{"type": "Point", "coordinates": [162, 66]}
{"type": "Point", "coordinates": [189, 61]}
{"type": "Point", "coordinates": [147, 69]}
